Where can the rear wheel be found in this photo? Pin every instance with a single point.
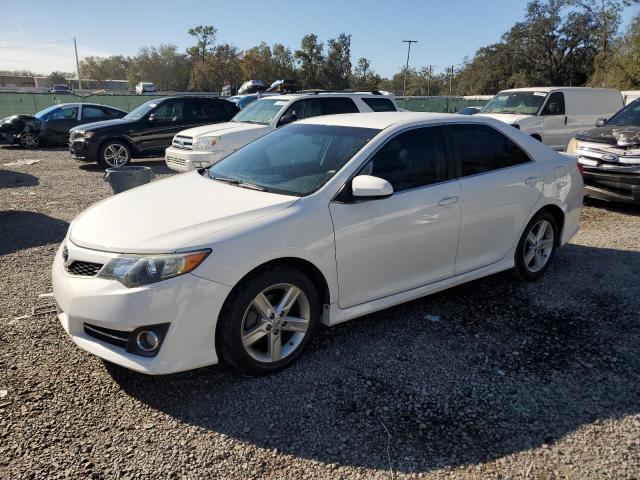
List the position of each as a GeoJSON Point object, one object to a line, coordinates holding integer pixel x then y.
{"type": "Point", "coordinates": [268, 321]}
{"type": "Point", "coordinates": [29, 140]}
{"type": "Point", "coordinates": [537, 247]}
{"type": "Point", "coordinates": [114, 153]}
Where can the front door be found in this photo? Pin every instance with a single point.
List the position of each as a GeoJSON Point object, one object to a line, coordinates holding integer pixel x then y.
{"type": "Point", "coordinates": [59, 123]}
{"type": "Point", "coordinates": [409, 239]}
{"type": "Point", "coordinates": [500, 186]}
{"type": "Point", "coordinates": [161, 125]}
{"type": "Point", "coordinates": [555, 132]}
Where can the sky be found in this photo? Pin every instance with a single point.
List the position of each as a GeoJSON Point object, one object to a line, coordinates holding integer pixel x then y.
{"type": "Point", "coordinates": [40, 37]}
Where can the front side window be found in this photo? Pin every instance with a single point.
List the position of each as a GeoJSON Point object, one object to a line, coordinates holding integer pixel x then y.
{"type": "Point", "coordinates": [380, 104]}
{"type": "Point", "coordinates": [295, 160]}
{"type": "Point", "coordinates": [555, 104]}
{"type": "Point", "coordinates": [410, 160]}
{"type": "Point", "coordinates": [480, 149]}
{"type": "Point", "coordinates": [170, 112]}
{"type": "Point", "coordinates": [629, 115]}
{"type": "Point", "coordinates": [522, 102]}
{"type": "Point", "coordinates": [142, 110]}
{"type": "Point", "coordinates": [261, 111]}
{"type": "Point", "coordinates": [64, 113]}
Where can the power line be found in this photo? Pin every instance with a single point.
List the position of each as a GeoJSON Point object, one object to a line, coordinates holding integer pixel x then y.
{"type": "Point", "coordinates": [57, 42]}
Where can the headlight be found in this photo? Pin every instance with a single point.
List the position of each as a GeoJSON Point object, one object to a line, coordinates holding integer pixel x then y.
{"type": "Point", "coordinates": [204, 144]}
{"type": "Point", "coordinates": [88, 134]}
{"type": "Point", "coordinates": [573, 145]}
{"type": "Point", "coordinates": [137, 270]}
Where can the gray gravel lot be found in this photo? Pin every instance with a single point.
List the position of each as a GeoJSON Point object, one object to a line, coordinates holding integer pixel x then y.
{"type": "Point", "coordinates": [493, 379]}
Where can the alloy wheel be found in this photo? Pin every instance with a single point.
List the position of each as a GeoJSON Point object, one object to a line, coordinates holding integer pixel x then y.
{"type": "Point", "coordinates": [29, 140]}
{"type": "Point", "coordinates": [538, 246]}
{"type": "Point", "coordinates": [275, 323]}
{"type": "Point", "coordinates": [116, 155]}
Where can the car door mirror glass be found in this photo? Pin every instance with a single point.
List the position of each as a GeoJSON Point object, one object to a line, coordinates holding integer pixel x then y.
{"type": "Point", "coordinates": [600, 122]}
{"type": "Point", "coordinates": [552, 108]}
{"type": "Point", "coordinates": [153, 118]}
{"type": "Point", "coordinates": [288, 118]}
{"type": "Point", "coordinates": [368, 186]}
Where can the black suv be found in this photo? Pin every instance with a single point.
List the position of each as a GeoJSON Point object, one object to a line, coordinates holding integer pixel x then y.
{"type": "Point", "coordinates": [147, 130]}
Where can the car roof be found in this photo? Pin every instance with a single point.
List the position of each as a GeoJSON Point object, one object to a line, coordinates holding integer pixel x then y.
{"type": "Point", "coordinates": [295, 96]}
{"type": "Point", "coordinates": [379, 120]}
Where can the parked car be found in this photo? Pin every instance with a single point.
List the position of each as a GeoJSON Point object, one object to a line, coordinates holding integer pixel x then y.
{"type": "Point", "coordinates": [322, 221]}
{"type": "Point", "coordinates": [610, 156]}
{"type": "Point", "coordinates": [469, 111]}
{"type": "Point", "coordinates": [145, 131]}
{"type": "Point", "coordinates": [242, 101]}
{"type": "Point", "coordinates": [145, 87]}
{"type": "Point", "coordinates": [251, 86]}
{"type": "Point", "coordinates": [51, 126]}
{"type": "Point", "coordinates": [201, 147]}
{"type": "Point", "coordinates": [553, 114]}
{"type": "Point", "coordinates": [61, 89]}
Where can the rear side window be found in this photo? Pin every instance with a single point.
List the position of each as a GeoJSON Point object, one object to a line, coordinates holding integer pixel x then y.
{"type": "Point", "coordinates": [410, 160]}
{"type": "Point", "coordinates": [333, 106]}
{"type": "Point", "coordinates": [555, 104]}
{"type": "Point", "coordinates": [380, 104]}
{"type": "Point", "coordinates": [93, 112]}
{"type": "Point", "coordinates": [315, 107]}
{"type": "Point", "coordinates": [480, 148]}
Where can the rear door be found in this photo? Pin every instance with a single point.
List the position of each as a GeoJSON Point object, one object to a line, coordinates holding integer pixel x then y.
{"type": "Point", "coordinates": [556, 133]}
{"type": "Point", "coordinates": [59, 123]}
{"type": "Point", "coordinates": [500, 185]}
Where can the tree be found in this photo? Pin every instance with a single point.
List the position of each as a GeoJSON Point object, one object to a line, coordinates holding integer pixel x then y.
{"type": "Point", "coordinates": [624, 63]}
{"type": "Point", "coordinates": [163, 65]}
{"type": "Point", "coordinates": [57, 78]}
{"type": "Point", "coordinates": [310, 59]}
{"type": "Point", "coordinates": [283, 63]}
{"type": "Point", "coordinates": [363, 76]}
{"type": "Point", "coordinates": [336, 69]}
{"type": "Point", "coordinates": [205, 39]}
{"type": "Point", "coordinates": [102, 68]}
{"type": "Point", "coordinates": [257, 63]}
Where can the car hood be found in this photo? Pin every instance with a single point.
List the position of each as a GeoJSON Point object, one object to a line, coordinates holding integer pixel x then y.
{"type": "Point", "coordinates": [509, 118]}
{"type": "Point", "coordinates": [103, 124]}
{"type": "Point", "coordinates": [223, 129]}
{"type": "Point", "coordinates": [622, 136]}
{"type": "Point", "coordinates": [172, 214]}
{"type": "Point", "coordinates": [17, 122]}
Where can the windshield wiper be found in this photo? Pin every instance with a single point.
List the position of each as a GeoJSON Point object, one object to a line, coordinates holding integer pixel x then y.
{"type": "Point", "coordinates": [253, 122]}
{"type": "Point", "coordinates": [237, 183]}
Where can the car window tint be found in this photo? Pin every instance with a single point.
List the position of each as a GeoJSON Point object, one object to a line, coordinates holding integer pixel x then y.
{"type": "Point", "coordinates": [480, 149]}
{"type": "Point", "coordinates": [334, 106]}
{"type": "Point", "coordinates": [409, 160]}
{"type": "Point", "coordinates": [555, 99]}
{"type": "Point", "coordinates": [170, 112]}
{"type": "Point", "coordinates": [380, 104]}
{"type": "Point", "coordinates": [93, 112]}
{"type": "Point", "coordinates": [305, 108]}
{"type": "Point", "coordinates": [64, 113]}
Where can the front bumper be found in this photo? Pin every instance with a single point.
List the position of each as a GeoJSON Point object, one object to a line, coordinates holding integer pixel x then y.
{"type": "Point", "coordinates": [188, 303]}
{"type": "Point", "coordinates": [182, 160]}
{"type": "Point", "coordinates": [613, 187]}
{"type": "Point", "coordinates": [82, 150]}
{"type": "Point", "coordinates": [7, 138]}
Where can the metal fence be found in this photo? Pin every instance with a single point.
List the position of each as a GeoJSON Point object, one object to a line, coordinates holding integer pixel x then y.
{"type": "Point", "coordinates": [439, 104]}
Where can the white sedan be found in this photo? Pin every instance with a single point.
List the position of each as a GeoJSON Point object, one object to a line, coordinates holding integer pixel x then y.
{"type": "Point", "coordinates": [321, 221]}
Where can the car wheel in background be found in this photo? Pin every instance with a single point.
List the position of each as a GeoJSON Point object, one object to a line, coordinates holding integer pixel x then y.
{"type": "Point", "coordinates": [536, 247]}
{"type": "Point", "coordinates": [114, 153]}
{"type": "Point", "coordinates": [29, 140]}
{"type": "Point", "coordinates": [268, 320]}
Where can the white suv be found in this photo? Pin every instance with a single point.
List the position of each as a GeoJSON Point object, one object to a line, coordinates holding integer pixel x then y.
{"type": "Point", "coordinates": [203, 146]}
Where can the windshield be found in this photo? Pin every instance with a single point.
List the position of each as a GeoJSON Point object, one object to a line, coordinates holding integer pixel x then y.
{"type": "Point", "coordinates": [629, 115]}
{"type": "Point", "coordinates": [44, 114]}
{"type": "Point", "coordinates": [293, 160]}
{"type": "Point", "coordinates": [261, 111]}
{"type": "Point", "coordinates": [527, 103]}
{"type": "Point", "coordinates": [142, 110]}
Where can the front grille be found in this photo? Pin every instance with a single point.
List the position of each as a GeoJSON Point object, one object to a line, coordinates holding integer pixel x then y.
{"type": "Point", "coordinates": [175, 161]}
{"type": "Point", "coordinates": [84, 269]}
{"type": "Point", "coordinates": [114, 337]}
{"type": "Point", "coordinates": [182, 142]}
{"type": "Point", "coordinates": [608, 157]}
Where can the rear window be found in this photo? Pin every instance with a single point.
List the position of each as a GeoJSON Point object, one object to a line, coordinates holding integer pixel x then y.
{"type": "Point", "coordinates": [380, 104]}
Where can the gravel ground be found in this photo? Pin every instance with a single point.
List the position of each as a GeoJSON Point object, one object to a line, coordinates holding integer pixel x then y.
{"type": "Point", "coordinates": [493, 379]}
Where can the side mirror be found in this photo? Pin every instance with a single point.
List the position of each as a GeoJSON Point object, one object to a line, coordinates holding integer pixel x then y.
{"type": "Point", "coordinates": [600, 122]}
{"type": "Point", "coordinates": [288, 118]}
{"type": "Point", "coordinates": [367, 186]}
{"type": "Point", "coordinates": [152, 118]}
{"type": "Point", "coordinates": [552, 108]}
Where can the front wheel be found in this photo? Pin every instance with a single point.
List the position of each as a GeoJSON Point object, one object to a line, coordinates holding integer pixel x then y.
{"type": "Point", "coordinates": [536, 247]}
{"type": "Point", "coordinates": [29, 140]}
{"type": "Point", "coordinates": [114, 154]}
{"type": "Point", "coordinates": [268, 321]}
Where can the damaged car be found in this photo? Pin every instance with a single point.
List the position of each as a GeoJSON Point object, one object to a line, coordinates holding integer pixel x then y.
{"type": "Point", "coordinates": [610, 156]}
{"type": "Point", "coordinates": [51, 126]}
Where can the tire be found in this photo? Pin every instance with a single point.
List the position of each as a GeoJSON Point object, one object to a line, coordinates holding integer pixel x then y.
{"type": "Point", "coordinates": [535, 253]}
{"type": "Point", "coordinates": [29, 140]}
{"type": "Point", "coordinates": [252, 337]}
{"type": "Point", "coordinates": [114, 153]}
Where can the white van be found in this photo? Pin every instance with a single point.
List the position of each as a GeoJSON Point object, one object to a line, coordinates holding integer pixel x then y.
{"type": "Point", "coordinates": [553, 114]}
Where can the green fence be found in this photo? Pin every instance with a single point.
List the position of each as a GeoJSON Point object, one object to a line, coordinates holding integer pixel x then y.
{"type": "Point", "coordinates": [438, 104]}
{"type": "Point", "coordinates": [29, 103]}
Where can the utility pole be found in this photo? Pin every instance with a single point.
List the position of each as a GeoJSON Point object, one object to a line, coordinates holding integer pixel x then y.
{"type": "Point", "coordinates": [429, 80]}
{"type": "Point", "coordinates": [451, 81]}
{"type": "Point", "coordinates": [406, 68]}
{"type": "Point", "coordinates": [75, 46]}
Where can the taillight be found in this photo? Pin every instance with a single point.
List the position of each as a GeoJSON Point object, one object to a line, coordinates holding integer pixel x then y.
{"type": "Point", "coordinates": [581, 168]}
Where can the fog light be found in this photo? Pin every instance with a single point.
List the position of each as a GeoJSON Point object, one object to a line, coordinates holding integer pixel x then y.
{"type": "Point", "coordinates": [147, 341]}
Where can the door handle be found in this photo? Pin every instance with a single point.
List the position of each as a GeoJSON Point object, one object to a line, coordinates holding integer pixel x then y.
{"type": "Point", "coordinates": [565, 120]}
{"type": "Point", "coordinates": [446, 201]}
{"type": "Point", "coordinates": [532, 180]}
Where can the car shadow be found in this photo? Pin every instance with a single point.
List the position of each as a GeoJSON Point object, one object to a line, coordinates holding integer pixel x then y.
{"type": "Point", "coordinates": [469, 375]}
{"type": "Point", "coordinates": [23, 229]}
{"type": "Point", "coordinates": [158, 166]}
{"type": "Point", "coordinates": [618, 207]}
{"type": "Point", "coordinates": [12, 179]}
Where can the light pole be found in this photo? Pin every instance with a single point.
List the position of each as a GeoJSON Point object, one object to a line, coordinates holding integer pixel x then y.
{"type": "Point", "coordinates": [406, 68]}
{"type": "Point", "coordinates": [75, 46]}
